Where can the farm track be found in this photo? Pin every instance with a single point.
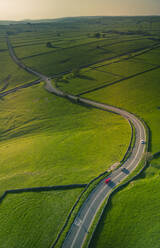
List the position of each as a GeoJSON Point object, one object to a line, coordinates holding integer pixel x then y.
{"type": "Point", "coordinates": [83, 221]}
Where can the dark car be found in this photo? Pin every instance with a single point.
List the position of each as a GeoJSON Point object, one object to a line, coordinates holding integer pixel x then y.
{"type": "Point", "coordinates": [142, 142]}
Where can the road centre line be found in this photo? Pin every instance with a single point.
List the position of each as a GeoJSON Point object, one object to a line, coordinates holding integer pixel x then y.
{"type": "Point", "coordinates": [102, 190]}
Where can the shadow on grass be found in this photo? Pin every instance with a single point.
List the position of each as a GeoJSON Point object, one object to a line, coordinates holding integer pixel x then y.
{"type": "Point", "coordinates": [156, 155]}
{"type": "Point", "coordinates": [66, 81]}
{"type": "Point", "coordinates": [150, 164]}
{"type": "Point", "coordinates": [100, 226]}
{"type": "Point", "coordinates": [85, 77]}
{"type": "Point", "coordinates": [41, 189]}
{"type": "Point", "coordinates": [15, 132]}
{"type": "Point", "coordinates": [149, 139]}
{"type": "Point", "coordinates": [65, 61]}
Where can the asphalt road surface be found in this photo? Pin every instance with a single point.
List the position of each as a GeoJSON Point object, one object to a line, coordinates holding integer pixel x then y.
{"type": "Point", "coordinates": [79, 229]}
{"type": "Point", "coordinates": [48, 86]}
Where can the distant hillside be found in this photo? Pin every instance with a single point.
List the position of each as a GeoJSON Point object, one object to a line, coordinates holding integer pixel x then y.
{"type": "Point", "coordinates": [81, 18]}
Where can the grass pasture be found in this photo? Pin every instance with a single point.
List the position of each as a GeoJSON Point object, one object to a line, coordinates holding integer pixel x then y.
{"type": "Point", "coordinates": [45, 138]}
{"type": "Point", "coordinates": [32, 50]}
{"type": "Point", "coordinates": [86, 80]}
{"type": "Point", "coordinates": [135, 210]}
{"type": "Point", "coordinates": [14, 75]}
{"type": "Point", "coordinates": [38, 46]}
{"type": "Point", "coordinates": [151, 57]}
{"type": "Point", "coordinates": [131, 67]}
{"type": "Point", "coordinates": [3, 45]}
{"type": "Point", "coordinates": [131, 46]}
{"type": "Point", "coordinates": [139, 95]}
{"type": "Point", "coordinates": [81, 56]}
{"type": "Point", "coordinates": [34, 219]}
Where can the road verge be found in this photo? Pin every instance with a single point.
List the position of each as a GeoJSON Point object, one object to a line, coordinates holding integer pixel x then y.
{"type": "Point", "coordinates": [133, 176]}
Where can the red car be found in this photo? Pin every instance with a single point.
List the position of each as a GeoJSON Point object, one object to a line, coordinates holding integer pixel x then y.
{"type": "Point", "coordinates": [107, 180]}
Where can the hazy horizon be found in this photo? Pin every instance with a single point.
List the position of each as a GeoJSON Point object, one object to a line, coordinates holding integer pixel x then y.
{"type": "Point", "coordinates": [38, 19]}
{"type": "Point", "coordinates": [18, 10]}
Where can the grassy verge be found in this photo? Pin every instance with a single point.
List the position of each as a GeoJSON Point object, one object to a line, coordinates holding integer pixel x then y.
{"type": "Point", "coordinates": [77, 207]}
{"type": "Point", "coordinates": [85, 194]}
{"type": "Point", "coordinates": [131, 145]}
{"type": "Point", "coordinates": [135, 208]}
{"type": "Point", "coordinates": [98, 221]}
{"type": "Point", "coordinates": [135, 211]}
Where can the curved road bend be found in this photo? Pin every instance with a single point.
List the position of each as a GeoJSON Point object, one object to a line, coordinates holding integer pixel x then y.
{"type": "Point", "coordinates": [79, 229]}
{"type": "Point", "coordinates": [48, 85]}
{"type": "Point", "coordinates": [87, 213]}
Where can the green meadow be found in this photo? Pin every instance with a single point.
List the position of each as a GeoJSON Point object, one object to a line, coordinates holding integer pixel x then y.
{"type": "Point", "coordinates": [59, 61]}
{"type": "Point", "coordinates": [34, 219]}
{"type": "Point", "coordinates": [139, 95]}
{"type": "Point", "coordinates": [12, 76]}
{"type": "Point", "coordinates": [86, 80]}
{"type": "Point", "coordinates": [135, 209]}
{"type": "Point", "coordinates": [47, 140]}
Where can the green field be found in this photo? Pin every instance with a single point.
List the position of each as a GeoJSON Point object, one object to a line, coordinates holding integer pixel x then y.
{"type": "Point", "coordinates": [45, 138]}
{"type": "Point", "coordinates": [151, 57]}
{"type": "Point", "coordinates": [139, 95]}
{"type": "Point", "coordinates": [86, 80]}
{"type": "Point", "coordinates": [3, 45]}
{"type": "Point", "coordinates": [39, 46]}
{"type": "Point", "coordinates": [132, 218]}
{"type": "Point", "coordinates": [80, 56]}
{"type": "Point", "coordinates": [33, 220]}
{"type": "Point", "coordinates": [132, 66]}
{"type": "Point", "coordinates": [14, 75]}
{"type": "Point", "coordinates": [135, 209]}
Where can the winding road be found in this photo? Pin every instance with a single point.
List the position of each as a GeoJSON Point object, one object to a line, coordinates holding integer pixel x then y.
{"type": "Point", "coordinates": [80, 228]}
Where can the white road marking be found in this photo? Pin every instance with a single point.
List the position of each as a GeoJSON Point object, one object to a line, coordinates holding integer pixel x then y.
{"type": "Point", "coordinates": [124, 113]}
{"type": "Point", "coordinates": [84, 218]}
{"type": "Point", "coordinates": [78, 222]}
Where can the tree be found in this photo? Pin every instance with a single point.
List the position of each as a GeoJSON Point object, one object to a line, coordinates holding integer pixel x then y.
{"type": "Point", "coordinates": [97, 35]}
{"type": "Point", "coordinates": [75, 72]}
{"type": "Point", "coordinates": [49, 44]}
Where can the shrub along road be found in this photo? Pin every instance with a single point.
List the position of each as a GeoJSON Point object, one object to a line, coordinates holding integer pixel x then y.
{"type": "Point", "coordinates": [79, 229]}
